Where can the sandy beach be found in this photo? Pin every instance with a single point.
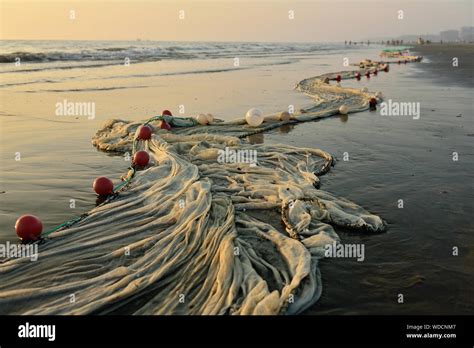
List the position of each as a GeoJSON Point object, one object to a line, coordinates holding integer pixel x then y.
{"type": "Point", "coordinates": [382, 167]}
{"type": "Point", "coordinates": [208, 172]}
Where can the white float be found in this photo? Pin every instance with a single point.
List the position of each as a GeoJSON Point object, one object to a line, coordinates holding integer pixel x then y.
{"type": "Point", "coordinates": [210, 118]}
{"type": "Point", "coordinates": [343, 110]}
{"type": "Point", "coordinates": [254, 117]}
{"type": "Point", "coordinates": [202, 119]}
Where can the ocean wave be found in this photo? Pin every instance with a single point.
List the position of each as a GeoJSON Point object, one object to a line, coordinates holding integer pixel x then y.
{"type": "Point", "coordinates": [93, 89]}
{"type": "Point", "coordinates": [49, 51]}
{"type": "Point", "coordinates": [27, 83]}
{"type": "Point", "coordinates": [185, 72]}
{"type": "Point", "coordinates": [99, 55]}
{"type": "Point", "coordinates": [23, 56]}
{"type": "Point", "coordinates": [112, 49]}
{"type": "Point", "coordinates": [60, 67]}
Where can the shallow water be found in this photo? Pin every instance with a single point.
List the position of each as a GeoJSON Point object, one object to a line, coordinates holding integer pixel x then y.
{"type": "Point", "coordinates": [390, 158]}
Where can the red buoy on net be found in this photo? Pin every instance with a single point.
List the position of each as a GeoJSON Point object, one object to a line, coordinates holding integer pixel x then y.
{"type": "Point", "coordinates": [357, 75]}
{"type": "Point", "coordinates": [103, 186]}
{"type": "Point", "coordinates": [373, 103]}
{"type": "Point", "coordinates": [338, 78]}
{"type": "Point", "coordinates": [144, 133]}
{"type": "Point", "coordinates": [386, 68]}
{"type": "Point", "coordinates": [367, 74]}
{"type": "Point", "coordinates": [28, 228]}
{"type": "Point", "coordinates": [166, 113]}
{"type": "Point", "coordinates": [375, 72]}
{"type": "Point", "coordinates": [165, 125]}
{"type": "Point", "coordinates": [399, 62]}
{"type": "Point", "coordinates": [141, 158]}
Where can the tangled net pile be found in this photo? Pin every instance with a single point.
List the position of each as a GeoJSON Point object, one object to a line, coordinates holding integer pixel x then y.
{"type": "Point", "coordinates": [194, 235]}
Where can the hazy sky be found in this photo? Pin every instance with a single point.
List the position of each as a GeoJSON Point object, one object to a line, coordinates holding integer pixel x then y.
{"type": "Point", "coordinates": [229, 20]}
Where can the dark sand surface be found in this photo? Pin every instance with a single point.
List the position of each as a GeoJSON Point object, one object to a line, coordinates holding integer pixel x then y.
{"type": "Point", "coordinates": [402, 158]}
{"type": "Point", "coordinates": [391, 158]}
{"type": "Point", "coordinates": [439, 62]}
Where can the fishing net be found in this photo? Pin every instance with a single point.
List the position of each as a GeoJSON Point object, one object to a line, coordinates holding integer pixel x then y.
{"type": "Point", "coordinates": [214, 225]}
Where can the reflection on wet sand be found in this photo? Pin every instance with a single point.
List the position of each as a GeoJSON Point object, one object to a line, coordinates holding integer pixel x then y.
{"type": "Point", "coordinates": [285, 129]}
{"type": "Point", "coordinates": [256, 138]}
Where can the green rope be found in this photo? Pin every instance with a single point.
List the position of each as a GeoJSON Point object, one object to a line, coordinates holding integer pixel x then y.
{"type": "Point", "coordinates": [154, 118]}
{"type": "Point", "coordinates": [64, 224]}
{"type": "Point", "coordinates": [126, 181]}
{"type": "Point", "coordinates": [71, 222]}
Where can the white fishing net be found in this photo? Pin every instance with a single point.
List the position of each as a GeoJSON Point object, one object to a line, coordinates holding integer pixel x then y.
{"type": "Point", "coordinates": [197, 232]}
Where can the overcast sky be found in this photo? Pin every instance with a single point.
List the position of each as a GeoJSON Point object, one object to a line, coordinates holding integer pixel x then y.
{"type": "Point", "coordinates": [229, 20]}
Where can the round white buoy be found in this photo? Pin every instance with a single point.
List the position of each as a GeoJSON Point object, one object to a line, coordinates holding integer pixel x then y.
{"type": "Point", "coordinates": [210, 118]}
{"type": "Point", "coordinates": [343, 110]}
{"type": "Point", "coordinates": [285, 116]}
{"type": "Point", "coordinates": [364, 90]}
{"type": "Point", "coordinates": [202, 119]}
{"type": "Point", "coordinates": [254, 117]}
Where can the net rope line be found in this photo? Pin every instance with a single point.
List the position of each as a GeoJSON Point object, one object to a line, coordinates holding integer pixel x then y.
{"type": "Point", "coordinates": [190, 249]}
{"type": "Point", "coordinates": [116, 190]}
{"type": "Point", "coordinates": [72, 221]}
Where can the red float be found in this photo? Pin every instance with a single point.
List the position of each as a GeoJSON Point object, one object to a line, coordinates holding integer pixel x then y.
{"type": "Point", "coordinates": [144, 133]}
{"type": "Point", "coordinates": [165, 125]}
{"type": "Point", "coordinates": [357, 75]}
{"type": "Point", "coordinates": [386, 69]}
{"type": "Point", "coordinates": [167, 113]}
{"type": "Point", "coordinates": [373, 103]}
{"type": "Point", "coordinates": [28, 228]}
{"type": "Point", "coordinates": [338, 78]}
{"type": "Point", "coordinates": [375, 72]}
{"type": "Point", "coordinates": [367, 74]}
{"type": "Point", "coordinates": [141, 158]}
{"type": "Point", "coordinates": [103, 186]}
{"type": "Point", "coordinates": [399, 62]}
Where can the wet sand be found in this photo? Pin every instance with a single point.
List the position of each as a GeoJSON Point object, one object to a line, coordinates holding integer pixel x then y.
{"type": "Point", "coordinates": [439, 62]}
{"type": "Point", "coordinates": [394, 158]}
{"type": "Point", "coordinates": [390, 158]}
